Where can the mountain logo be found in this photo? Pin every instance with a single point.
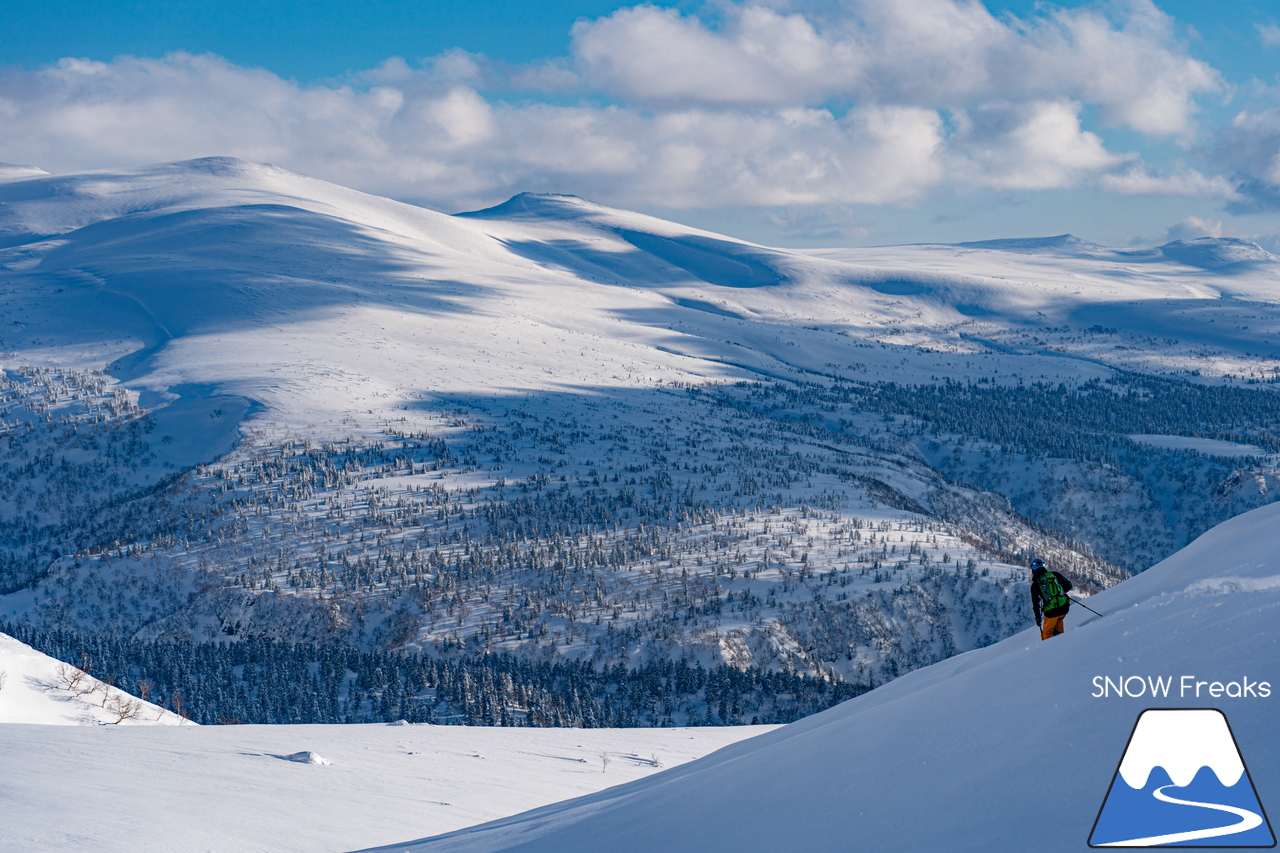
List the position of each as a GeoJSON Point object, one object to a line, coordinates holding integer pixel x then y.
{"type": "Point", "coordinates": [1181, 783]}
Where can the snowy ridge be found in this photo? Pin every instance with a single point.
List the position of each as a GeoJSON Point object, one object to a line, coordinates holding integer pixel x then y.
{"type": "Point", "coordinates": [1216, 252]}
{"type": "Point", "coordinates": [13, 172]}
{"type": "Point", "coordinates": [1063, 243]}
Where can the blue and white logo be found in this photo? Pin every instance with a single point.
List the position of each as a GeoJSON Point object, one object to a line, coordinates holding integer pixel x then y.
{"type": "Point", "coordinates": [1182, 783]}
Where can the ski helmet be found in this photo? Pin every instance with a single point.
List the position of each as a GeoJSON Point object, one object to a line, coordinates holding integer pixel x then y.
{"type": "Point", "coordinates": [1037, 565]}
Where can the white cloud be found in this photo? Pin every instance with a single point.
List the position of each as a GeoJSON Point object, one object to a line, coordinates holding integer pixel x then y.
{"type": "Point", "coordinates": [647, 54]}
{"type": "Point", "coordinates": [944, 96]}
{"type": "Point", "coordinates": [1186, 182]}
{"type": "Point", "coordinates": [1193, 227]}
{"type": "Point", "coordinates": [1251, 145]}
{"type": "Point", "coordinates": [940, 54]}
{"type": "Point", "coordinates": [1036, 146]}
{"type": "Point", "coordinates": [1269, 34]}
{"type": "Point", "coordinates": [423, 136]}
{"type": "Point", "coordinates": [1249, 148]}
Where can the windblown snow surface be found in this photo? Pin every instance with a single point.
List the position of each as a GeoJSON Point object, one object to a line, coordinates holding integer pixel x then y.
{"type": "Point", "coordinates": [71, 779]}
{"type": "Point", "coordinates": [1000, 750]}
{"type": "Point", "coordinates": [232, 789]}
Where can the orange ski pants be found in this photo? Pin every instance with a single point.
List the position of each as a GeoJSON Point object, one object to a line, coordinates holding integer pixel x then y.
{"type": "Point", "coordinates": [1052, 627]}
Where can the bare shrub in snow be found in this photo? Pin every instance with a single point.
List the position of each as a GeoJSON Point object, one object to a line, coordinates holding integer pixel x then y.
{"type": "Point", "coordinates": [122, 705]}
{"type": "Point", "coordinates": [178, 707]}
{"type": "Point", "coordinates": [76, 681]}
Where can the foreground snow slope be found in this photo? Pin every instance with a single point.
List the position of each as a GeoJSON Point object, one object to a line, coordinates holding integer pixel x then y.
{"type": "Point", "coordinates": [1000, 749]}
{"type": "Point", "coordinates": [35, 688]}
{"type": "Point", "coordinates": [232, 789]}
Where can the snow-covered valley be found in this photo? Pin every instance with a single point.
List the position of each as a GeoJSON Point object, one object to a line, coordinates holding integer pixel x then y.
{"type": "Point", "coordinates": [244, 404]}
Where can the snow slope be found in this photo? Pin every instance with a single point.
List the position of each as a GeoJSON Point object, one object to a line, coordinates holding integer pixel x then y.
{"type": "Point", "coordinates": [1002, 749]}
{"type": "Point", "coordinates": [36, 688]}
{"type": "Point", "coordinates": [232, 789]}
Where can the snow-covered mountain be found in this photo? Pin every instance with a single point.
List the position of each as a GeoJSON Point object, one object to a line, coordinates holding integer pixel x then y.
{"type": "Point", "coordinates": [240, 402]}
{"type": "Point", "coordinates": [1007, 748]}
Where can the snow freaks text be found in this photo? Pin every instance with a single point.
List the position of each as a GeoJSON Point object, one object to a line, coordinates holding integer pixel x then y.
{"type": "Point", "coordinates": [1184, 687]}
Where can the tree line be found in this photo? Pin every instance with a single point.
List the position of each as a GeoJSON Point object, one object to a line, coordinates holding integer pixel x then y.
{"type": "Point", "coordinates": [273, 682]}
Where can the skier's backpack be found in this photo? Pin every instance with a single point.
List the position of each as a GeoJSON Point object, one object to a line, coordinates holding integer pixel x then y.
{"type": "Point", "coordinates": [1052, 592]}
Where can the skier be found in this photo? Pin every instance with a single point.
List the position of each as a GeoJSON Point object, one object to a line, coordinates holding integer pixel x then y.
{"type": "Point", "coordinates": [1049, 588]}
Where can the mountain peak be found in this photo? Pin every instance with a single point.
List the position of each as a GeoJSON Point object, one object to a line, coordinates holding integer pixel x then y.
{"type": "Point", "coordinates": [537, 206]}
{"type": "Point", "coordinates": [15, 172]}
{"type": "Point", "coordinates": [1213, 252]}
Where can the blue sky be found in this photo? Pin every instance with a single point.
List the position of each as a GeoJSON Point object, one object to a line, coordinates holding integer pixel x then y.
{"type": "Point", "coordinates": [307, 41]}
{"type": "Point", "coordinates": [790, 122]}
{"type": "Point", "coordinates": [311, 40]}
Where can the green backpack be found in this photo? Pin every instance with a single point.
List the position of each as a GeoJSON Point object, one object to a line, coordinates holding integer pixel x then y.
{"type": "Point", "coordinates": [1052, 592]}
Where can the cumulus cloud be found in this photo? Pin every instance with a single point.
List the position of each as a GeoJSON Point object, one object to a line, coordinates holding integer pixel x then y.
{"type": "Point", "coordinates": [1029, 146]}
{"type": "Point", "coordinates": [1193, 228]}
{"type": "Point", "coordinates": [1249, 147]}
{"type": "Point", "coordinates": [1184, 182]}
{"type": "Point", "coordinates": [926, 53]}
{"type": "Point", "coordinates": [652, 55]}
{"type": "Point", "coordinates": [935, 94]}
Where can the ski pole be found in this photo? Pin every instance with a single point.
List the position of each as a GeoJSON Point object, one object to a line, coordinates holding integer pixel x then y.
{"type": "Point", "coordinates": [1085, 606]}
